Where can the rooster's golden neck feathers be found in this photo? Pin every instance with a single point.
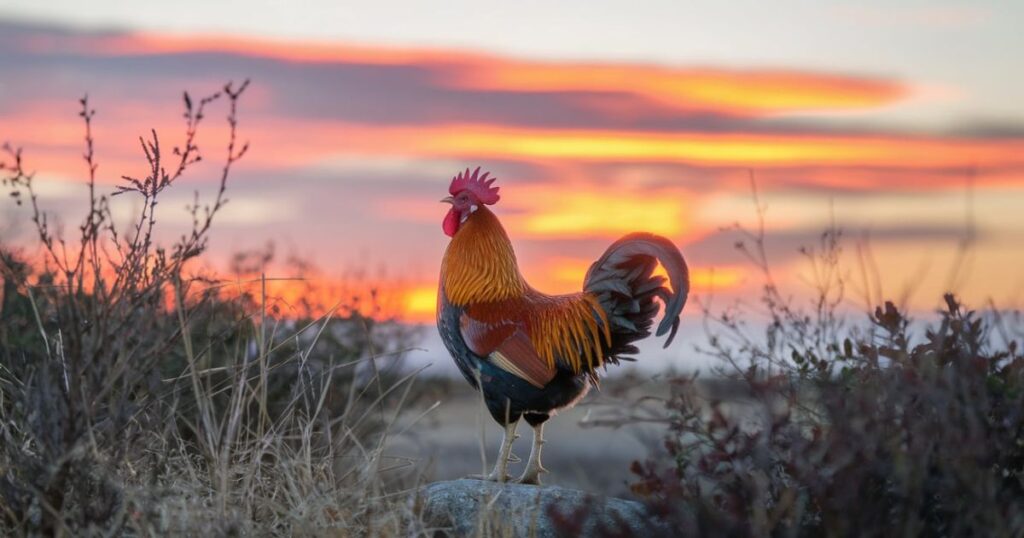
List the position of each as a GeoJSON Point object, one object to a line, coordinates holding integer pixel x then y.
{"type": "Point", "coordinates": [480, 265]}
{"type": "Point", "coordinates": [479, 272]}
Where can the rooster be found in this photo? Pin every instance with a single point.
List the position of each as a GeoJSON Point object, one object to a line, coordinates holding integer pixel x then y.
{"type": "Point", "coordinates": [532, 354]}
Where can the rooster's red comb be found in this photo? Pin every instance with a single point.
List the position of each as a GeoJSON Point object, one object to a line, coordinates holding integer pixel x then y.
{"type": "Point", "coordinates": [479, 185]}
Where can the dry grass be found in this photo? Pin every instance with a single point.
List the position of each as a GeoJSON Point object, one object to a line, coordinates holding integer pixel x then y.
{"type": "Point", "coordinates": [136, 399]}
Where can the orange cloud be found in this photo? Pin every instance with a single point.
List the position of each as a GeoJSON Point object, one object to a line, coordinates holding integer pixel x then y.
{"type": "Point", "coordinates": [555, 212]}
{"type": "Point", "coordinates": [761, 150]}
{"type": "Point", "coordinates": [135, 44]}
{"type": "Point", "coordinates": [731, 92]}
{"type": "Point", "coordinates": [736, 92]}
{"type": "Point", "coordinates": [290, 142]}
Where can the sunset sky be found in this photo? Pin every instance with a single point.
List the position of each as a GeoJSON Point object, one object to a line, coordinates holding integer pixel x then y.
{"type": "Point", "coordinates": [897, 120]}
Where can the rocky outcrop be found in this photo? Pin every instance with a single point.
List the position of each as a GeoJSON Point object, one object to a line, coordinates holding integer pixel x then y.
{"type": "Point", "coordinates": [474, 507]}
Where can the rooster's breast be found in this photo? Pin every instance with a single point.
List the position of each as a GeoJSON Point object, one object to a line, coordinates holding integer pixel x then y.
{"type": "Point", "coordinates": [448, 316]}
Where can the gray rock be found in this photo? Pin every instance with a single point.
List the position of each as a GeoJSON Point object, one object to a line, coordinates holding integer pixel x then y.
{"type": "Point", "coordinates": [454, 509]}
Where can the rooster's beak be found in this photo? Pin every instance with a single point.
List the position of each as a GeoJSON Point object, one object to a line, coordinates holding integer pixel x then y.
{"type": "Point", "coordinates": [447, 200]}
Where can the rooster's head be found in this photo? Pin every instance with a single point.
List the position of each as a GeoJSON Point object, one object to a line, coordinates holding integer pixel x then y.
{"type": "Point", "coordinates": [469, 191]}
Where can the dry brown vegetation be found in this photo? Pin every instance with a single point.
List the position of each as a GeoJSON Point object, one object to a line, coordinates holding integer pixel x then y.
{"type": "Point", "coordinates": [135, 398]}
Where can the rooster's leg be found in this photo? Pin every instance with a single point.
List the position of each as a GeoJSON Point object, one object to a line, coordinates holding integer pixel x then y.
{"type": "Point", "coordinates": [533, 467]}
{"type": "Point", "coordinates": [499, 474]}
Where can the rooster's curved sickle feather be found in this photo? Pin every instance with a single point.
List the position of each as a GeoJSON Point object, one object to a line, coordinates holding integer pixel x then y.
{"type": "Point", "coordinates": [624, 282]}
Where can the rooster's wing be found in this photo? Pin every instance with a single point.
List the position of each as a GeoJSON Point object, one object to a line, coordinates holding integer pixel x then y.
{"type": "Point", "coordinates": [534, 335]}
{"type": "Point", "coordinates": [505, 342]}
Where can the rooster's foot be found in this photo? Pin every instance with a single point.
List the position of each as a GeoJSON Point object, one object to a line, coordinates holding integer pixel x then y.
{"type": "Point", "coordinates": [532, 476]}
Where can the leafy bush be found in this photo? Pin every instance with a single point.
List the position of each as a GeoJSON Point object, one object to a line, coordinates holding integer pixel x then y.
{"type": "Point", "coordinates": [834, 430]}
{"type": "Point", "coordinates": [880, 438]}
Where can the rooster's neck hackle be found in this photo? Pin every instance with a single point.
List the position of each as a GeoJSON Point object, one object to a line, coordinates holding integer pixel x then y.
{"type": "Point", "coordinates": [480, 265]}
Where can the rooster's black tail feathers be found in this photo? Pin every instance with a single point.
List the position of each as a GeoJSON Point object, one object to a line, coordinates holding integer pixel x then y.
{"type": "Point", "coordinates": [625, 286]}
